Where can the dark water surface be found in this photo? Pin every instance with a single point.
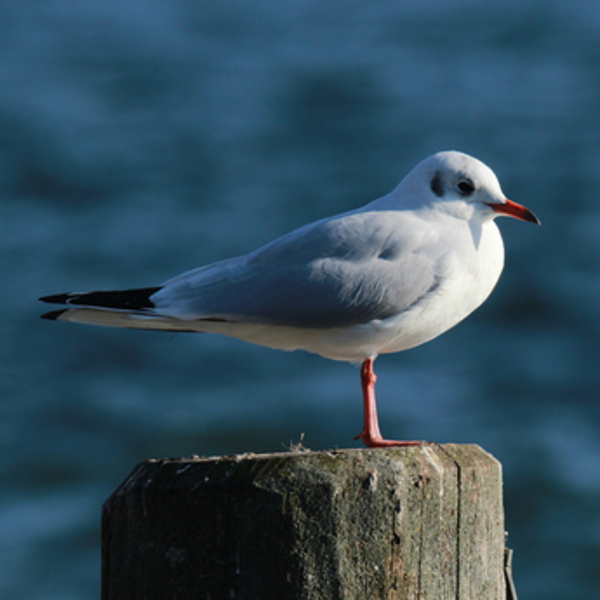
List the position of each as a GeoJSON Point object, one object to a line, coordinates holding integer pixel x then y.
{"type": "Point", "coordinates": [141, 139]}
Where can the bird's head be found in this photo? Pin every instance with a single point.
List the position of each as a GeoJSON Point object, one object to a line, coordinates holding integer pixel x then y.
{"type": "Point", "coordinates": [461, 185]}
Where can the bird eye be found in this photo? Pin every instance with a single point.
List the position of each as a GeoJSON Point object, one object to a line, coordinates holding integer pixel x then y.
{"type": "Point", "coordinates": [465, 187]}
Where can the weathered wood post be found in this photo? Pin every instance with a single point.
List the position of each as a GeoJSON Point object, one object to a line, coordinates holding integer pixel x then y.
{"type": "Point", "coordinates": [418, 523]}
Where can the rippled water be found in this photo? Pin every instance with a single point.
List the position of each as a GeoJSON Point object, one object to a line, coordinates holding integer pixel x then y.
{"type": "Point", "coordinates": [141, 139]}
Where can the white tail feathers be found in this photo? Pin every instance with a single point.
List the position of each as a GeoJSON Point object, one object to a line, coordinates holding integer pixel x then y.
{"type": "Point", "coordinates": [118, 318]}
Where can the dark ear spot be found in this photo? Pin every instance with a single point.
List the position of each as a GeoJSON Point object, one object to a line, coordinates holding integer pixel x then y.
{"type": "Point", "coordinates": [436, 185]}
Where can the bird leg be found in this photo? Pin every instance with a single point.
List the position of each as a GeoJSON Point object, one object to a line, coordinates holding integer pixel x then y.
{"type": "Point", "coordinates": [370, 435]}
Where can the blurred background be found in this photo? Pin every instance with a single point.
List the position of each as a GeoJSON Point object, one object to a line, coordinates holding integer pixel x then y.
{"type": "Point", "coordinates": [145, 138]}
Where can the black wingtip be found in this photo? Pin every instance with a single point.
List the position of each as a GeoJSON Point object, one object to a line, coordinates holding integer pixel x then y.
{"type": "Point", "coordinates": [135, 299]}
{"type": "Point", "coordinates": [55, 299]}
{"type": "Point", "coordinates": [54, 315]}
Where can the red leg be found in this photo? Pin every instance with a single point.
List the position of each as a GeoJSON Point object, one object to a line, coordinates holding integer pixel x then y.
{"type": "Point", "coordinates": [370, 435]}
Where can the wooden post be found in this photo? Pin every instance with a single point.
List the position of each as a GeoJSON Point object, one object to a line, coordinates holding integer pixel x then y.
{"type": "Point", "coordinates": [396, 524]}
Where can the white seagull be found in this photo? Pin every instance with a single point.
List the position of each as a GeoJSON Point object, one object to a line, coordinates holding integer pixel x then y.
{"type": "Point", "coordinates": [386, 277]}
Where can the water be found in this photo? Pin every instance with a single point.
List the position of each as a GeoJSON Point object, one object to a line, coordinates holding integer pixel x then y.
{"type": "Point", "coordinates": [139, 140]}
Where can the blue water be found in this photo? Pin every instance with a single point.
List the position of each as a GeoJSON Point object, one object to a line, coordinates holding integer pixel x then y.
{"type": "Point", "coordinates": [141, 139]}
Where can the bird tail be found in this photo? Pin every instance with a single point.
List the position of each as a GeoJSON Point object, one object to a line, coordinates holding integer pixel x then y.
{"type": "Point", "coordinates": [132, 309]}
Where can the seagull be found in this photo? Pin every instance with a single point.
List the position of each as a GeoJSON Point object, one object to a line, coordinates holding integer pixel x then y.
{"type": "Point", "coordinates": [383, 278]}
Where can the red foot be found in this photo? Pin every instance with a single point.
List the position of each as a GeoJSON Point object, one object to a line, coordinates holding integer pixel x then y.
{"type": "Point", "coordinates": [370, 435]}
{"type": "Point", "coordinates": [379, 442]}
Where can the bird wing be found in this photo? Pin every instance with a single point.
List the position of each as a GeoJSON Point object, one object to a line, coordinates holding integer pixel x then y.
{"type": "Point", "coordinates": [338, 272]}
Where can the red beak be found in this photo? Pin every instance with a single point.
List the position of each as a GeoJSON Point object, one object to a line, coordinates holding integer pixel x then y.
{"type": "Point", "coordinates": [512, 209]}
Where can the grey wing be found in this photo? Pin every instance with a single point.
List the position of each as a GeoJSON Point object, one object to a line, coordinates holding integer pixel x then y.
{"type": "Point", "coordinates": [334, 273]}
